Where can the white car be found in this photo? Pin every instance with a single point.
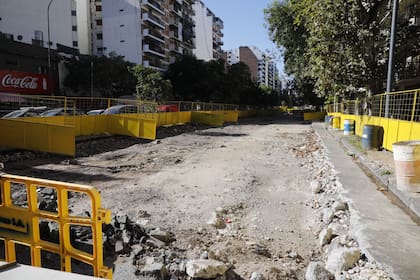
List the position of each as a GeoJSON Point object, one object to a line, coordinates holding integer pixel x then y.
{"type": "Point", "coordinates": [25, 112]}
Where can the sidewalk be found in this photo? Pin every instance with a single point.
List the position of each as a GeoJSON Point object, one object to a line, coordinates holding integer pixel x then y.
{"type": "Point", "coordinates": [384, 231]}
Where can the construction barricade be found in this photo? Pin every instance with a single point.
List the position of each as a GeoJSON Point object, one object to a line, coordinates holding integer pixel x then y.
{"type": "Point", "coordinates": [39, 227]}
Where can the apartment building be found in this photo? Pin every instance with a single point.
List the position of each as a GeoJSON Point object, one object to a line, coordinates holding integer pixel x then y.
{"type": "Point", "coordinates": [263, 70]}
{"type": "Point", "coordinates": [148, 32]}
{"type": "Point", "coordinates": [26, 21]}
{"type": "Point", "coordinates": [208, 31]}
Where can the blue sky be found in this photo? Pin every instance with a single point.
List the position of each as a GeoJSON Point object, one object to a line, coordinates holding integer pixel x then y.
{"type": "Point", "coordinates": [244, 24]}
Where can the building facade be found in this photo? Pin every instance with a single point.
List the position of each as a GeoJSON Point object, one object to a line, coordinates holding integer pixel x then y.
{"type": "Point", "coordinates": [26, 21]}
{"type": "Point", "coordinates": [262, 68]}
{"type": "Point", "coordinates": [208, 33]}
{"type": "Point", "coordinates": [148, 32]}
{"type": "Point", "coordinates": [152, 33]}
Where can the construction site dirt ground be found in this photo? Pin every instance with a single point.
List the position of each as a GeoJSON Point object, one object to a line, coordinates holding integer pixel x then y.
{"type": "Point", "coordinates": [254, 175]}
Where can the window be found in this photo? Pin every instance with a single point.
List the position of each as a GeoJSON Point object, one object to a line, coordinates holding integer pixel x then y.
{"type": "Point", "coordinates": [122, 41]}
{"type": "Point", "coordinates": [75, 44]}
{"type": "Point", "coordinates": [121, 25]}
{"type": "Point", "coordinates": [99, 22]}
{"type": "Point", "coordinates": [98, 8]}
{"type": "Point", "coordinates": [74, 28]}
{"type": "Point", "coordinates": [99, 36]}
{"type": "Point", "coordinates": [73, 13]}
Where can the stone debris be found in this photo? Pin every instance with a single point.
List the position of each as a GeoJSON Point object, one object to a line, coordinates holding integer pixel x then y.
{"type": "Point", "coordinates": [205, 269]}
{"type": "Point", "coordinates": [317, 271]}
{"type": "Point", "coordinates": [257, 276]}
{"type": "Point", "coordinates": [325, 236]}
{"type": "Point", "coordinates": [342, 259]}
{"type": "Point", "coordinates": [217, 221]}
{"type": "Point", "coordinates": [315, 186]}
{"type": "Point", "coordinates": [259, 249]}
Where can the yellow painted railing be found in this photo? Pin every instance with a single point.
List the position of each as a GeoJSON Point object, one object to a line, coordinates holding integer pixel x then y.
{"type": "Point", "coordinates": [45, 233]}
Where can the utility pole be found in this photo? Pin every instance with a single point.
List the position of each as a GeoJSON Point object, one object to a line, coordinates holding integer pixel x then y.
{"type": "Point", "coordinates": [390, 76]}
{"type": "Point", "coordinates": [48, 32]}
{"type": "Point", "coordinates": [91, 78]}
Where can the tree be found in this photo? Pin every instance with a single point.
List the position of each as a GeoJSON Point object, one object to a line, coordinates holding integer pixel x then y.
{"type": "Point", "coordinates": [339, 46]}
{"type": "Point", "coordinates": [150, 84]}
{"type": "Point", "coordinates": [111, 76]}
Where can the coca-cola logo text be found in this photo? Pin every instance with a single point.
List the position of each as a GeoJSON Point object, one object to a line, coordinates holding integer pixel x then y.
{"type": "Point", "coordinates": [26, 82]}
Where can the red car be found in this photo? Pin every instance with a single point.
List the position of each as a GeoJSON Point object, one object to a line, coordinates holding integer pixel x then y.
{"type": "Point", "coordinates": [168, 108]}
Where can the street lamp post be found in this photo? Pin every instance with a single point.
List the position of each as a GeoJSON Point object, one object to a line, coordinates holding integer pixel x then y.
{"type": "Point", "coordinates": [48, 32]}
{"type": "Point", "coordinates": [390, 76]}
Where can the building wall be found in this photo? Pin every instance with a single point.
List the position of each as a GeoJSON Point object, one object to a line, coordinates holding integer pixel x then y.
{"type": "Point", "coordinates": [247, 56]}
{"type": "Point", "coordinates": [97, 27]}
{"type": "Point", "coordinates": [22, 18]}
{"type": "Point", "coordinates": [83, 26]}
{"type": "Point", "coordinates": [121, 29]}
{"type": "Point", "coordinates": [203, 32]}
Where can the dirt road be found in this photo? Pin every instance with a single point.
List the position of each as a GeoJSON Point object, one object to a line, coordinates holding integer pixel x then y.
{"type": "Point", "coordinates": [240, 194]}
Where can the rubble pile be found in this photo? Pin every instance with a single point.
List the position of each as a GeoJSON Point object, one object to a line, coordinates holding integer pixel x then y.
{"type": "Point", "coordinates": [153, 254]}
{"type": "Point", "coordinates": [340, 258]}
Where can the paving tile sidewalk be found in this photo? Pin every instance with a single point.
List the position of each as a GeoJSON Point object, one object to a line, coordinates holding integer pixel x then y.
{"type": "Point", "coordinates": [384, 231]}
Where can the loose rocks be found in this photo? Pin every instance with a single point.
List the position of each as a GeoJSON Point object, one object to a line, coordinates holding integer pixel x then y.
{"type": "Point", "coordinates": [205, 268]}
{"type": "Point", "coordinates": [325, 236]}
{"type": "Point", "coordinates": [341, 259]}
{"type": "Point", "coordinates": [315, 186]}
{"type": "Point", "coordinates": [317, 271]}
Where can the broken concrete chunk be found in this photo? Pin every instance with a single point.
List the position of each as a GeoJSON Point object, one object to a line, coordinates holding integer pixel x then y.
{"type": "Point", "coordinates": [161, 235]}
{"type": "Point", "coordinates": [341, 259]}
{"type": "Point", "coordinates": [205, 269]}
{"type": "Point", "coordinates": [339, 205]}
{"type": "Point", "coordinates": [317, 271]}
{"type": "Point", "coordinates": [315, 186]}
{"type": "Point", "coordinates": [325, 236]}
{"type": "Point", "coordinates": [257, 276]}
{"type": "Point", "coordinates": [154, 242]}
{"type": "Point", "coordinates": [155, 270]}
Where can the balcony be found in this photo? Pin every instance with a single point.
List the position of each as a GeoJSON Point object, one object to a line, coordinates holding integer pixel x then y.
{"type": "Point", "coordinates": [151, 64]}
{"type": "Point", "coordinates": [173, 21]}
{"type": "Point", "coordinates": [154, 5]}
{"type": "Point", "coordinates": [175, 35]}
{"type": "Point", "coordinates": [176, 10]}
{"type": "Point", "coordinates": [176, 48]}
{"type": "Point", "coordinates": [154, 49]}
{"type": "Point", "coordinates": [147, 17]}
{"type": "Point", "coordinates": [154, 35]}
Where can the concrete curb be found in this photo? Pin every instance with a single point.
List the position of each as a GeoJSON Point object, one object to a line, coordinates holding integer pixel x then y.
{"type": "Point", "coordinates": [409, 200]}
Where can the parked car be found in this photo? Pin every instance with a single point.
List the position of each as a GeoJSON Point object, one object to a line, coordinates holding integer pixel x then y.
{"type": "Point", "coordinates": [120, 109]}
{"type": "Point", "coordinates": [25, 112]}
{"type": "Point", "coordinates": [61, 112]}
{"type": "Point", "coordinates": [95, 112]}
{"type": "Point", "coordinates": [168, 108]}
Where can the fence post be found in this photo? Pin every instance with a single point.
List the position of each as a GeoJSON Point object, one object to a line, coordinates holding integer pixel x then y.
{"type": "Point", "coordinates": [414, 105]}
{"type": "Point", "coordinates": [380, 106]}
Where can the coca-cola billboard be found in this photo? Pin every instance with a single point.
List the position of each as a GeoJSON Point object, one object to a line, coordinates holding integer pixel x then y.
{"type": "Point", "coordinates": [23, 82]}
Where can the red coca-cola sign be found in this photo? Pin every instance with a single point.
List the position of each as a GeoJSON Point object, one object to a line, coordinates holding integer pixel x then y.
{"type": "Point", "coordinates": [23, 82]}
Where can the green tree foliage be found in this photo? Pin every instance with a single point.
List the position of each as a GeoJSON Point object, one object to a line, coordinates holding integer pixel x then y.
{"type": "Point", "coordinates": [150, 84]}
{"type": "Point", "coordinates": [197, 80]}
{"type": "Point", "coordinates": [340, 46]}
{"type": "Point", "coordinates": [111, 76]}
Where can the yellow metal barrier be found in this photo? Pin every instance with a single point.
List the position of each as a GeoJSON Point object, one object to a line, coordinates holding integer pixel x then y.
{"type": "Point", "coordinates": [51, 138]}
{"type": "Point", "coordinates": [210, 118]}
{"type": "Point", "coordinates": [26, 222]}
{"type": "Point", "coordinates": [311, 116]}
{"type": "Point", "coordinates": [132, 126]}
{"type": "Point", "coordinates": [394, 130]}
{"type": "Point", "coordinates": [231, 116]}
